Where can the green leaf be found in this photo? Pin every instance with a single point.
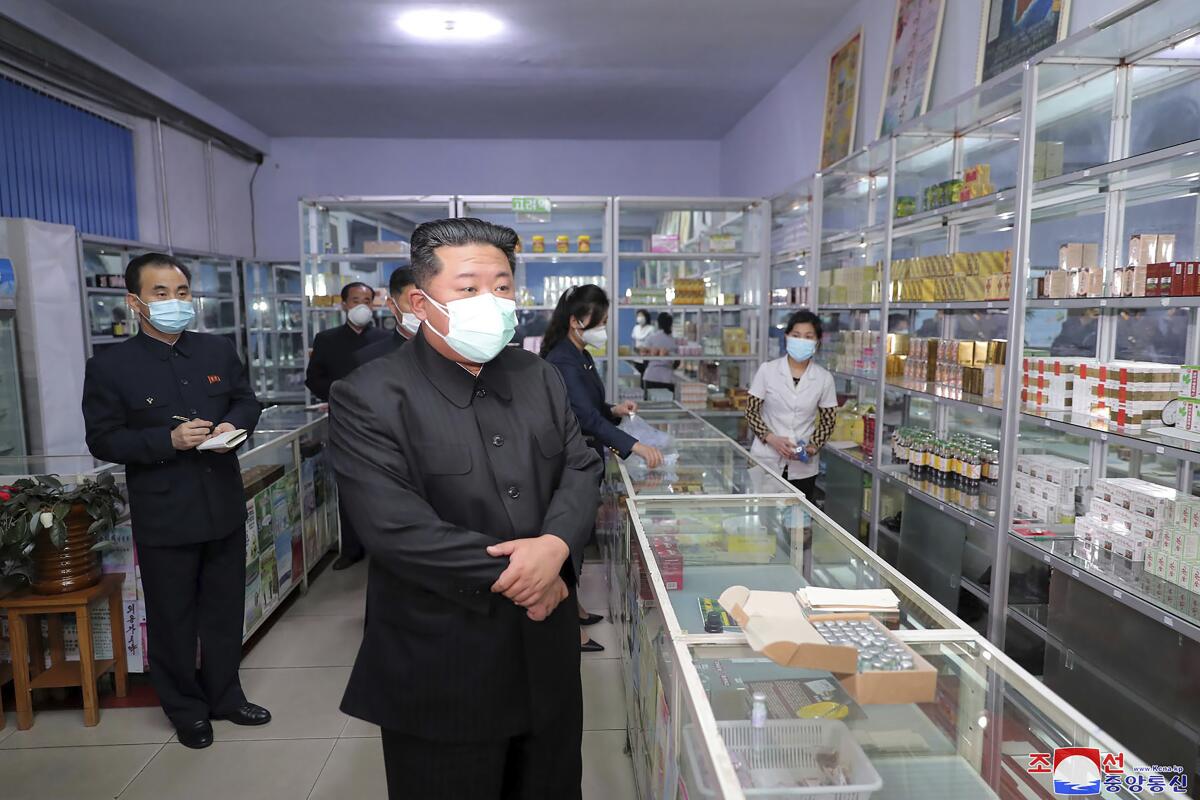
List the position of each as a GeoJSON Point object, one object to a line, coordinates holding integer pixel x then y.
{"type": "Point", "coordinates": [102, 545]}
{"type": "Point", "coordinates": [52, 480]}
{"type": "Point", "coordinates": [98, 526]}
{"type": "Point", "coordinates": [61, 510]}
{"type": "Point", "coordinates": [34, 523]}
{"type": "Point", "coordinates": [58, 535]}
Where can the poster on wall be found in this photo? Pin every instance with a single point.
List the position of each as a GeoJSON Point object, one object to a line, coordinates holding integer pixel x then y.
{"type": "Point", "coordinates": [916, 32]}
{"type": "Point", "coordinates": [841, 100]}
{"type": "Point", "coordinates": [1013, 31]}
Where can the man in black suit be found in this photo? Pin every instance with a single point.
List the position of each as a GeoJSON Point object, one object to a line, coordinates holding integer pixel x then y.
{"type": "Point", "coordinates": [332, 359]}
{"type": "Point", "coordinates": [147, 403]}
{"type": "Point", "coordinates": [463, 469]}
{"type": "Point", "coordinates": [406, 322]}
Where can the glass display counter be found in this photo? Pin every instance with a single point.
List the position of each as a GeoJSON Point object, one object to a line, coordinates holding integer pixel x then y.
{"type": "Point", "coordinates": [291, 503]}
{"type": "Point", "coordinates": [689, 688]}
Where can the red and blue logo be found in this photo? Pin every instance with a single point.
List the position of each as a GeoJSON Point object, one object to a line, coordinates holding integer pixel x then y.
{"type": "Point", "coordinates": [1077, 771]}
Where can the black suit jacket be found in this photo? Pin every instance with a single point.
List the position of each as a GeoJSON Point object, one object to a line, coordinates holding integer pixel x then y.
{"type": "Point", "coordinates": [332, 356]}
{"type": "Point", "coordinates": [586, 390]}
{"type": "Point", "coordinates": [130, 393]}
{"type": "Point", "coordinates": [433, 466]}
{"type": "Point", "coordinates": [377, 349]}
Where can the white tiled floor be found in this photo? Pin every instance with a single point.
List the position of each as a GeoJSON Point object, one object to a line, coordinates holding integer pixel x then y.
{"type": "Point", "coordinates": [310, 751]}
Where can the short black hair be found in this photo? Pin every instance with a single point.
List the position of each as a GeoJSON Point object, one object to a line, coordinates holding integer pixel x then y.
{"type": "Point", "coordinates": [133, 272]}
{"type": "Point", "coordinates": [346, 289]}
{"type": "Point", "coordinates": [579, 302]}
{"type": "Point", "coordinates": [457, 232]}
{"type": "Point", "coordinates": [400, 278]}
{"type": "Point", "coordinates": [665, 322]}
{"type": "Point", "coordinates": [802, 316]}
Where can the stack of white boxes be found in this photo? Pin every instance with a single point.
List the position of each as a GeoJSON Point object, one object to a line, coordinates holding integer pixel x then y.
{"type": "Point", "coordinates": [1175, 556]}
{"type": "Point", "coordinates": [1048, 384]}
{"type": "Point", "coordinates": [1128, 517]}
{"type": "Point", "coordinates": [1131, 394]}
{"type": "Point", "coordinates": [1045, 487]}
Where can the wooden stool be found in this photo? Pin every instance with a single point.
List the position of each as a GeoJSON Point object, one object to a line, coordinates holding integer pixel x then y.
{"type": "Point", "coordinates": [27, 641]}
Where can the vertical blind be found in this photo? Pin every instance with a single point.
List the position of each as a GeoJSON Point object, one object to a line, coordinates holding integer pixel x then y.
{"type": "Point", "coordinates": [59, 163]}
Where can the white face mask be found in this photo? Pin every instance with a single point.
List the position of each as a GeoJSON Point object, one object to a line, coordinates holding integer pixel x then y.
{"type": "Point", "coordinates": [480, 326]}
{"type": "Point", "coordinates": [410, 322]}
{"type": "Point", "coordinates": [596, 337]}
{"type": "Point", "coordinates": [359, 315]}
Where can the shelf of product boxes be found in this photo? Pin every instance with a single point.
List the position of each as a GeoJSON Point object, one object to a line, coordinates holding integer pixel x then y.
{"type": "Point", "coordinates": [853, 455]}
{"type": "Point", "coordinates": [1126, 582]}
{"type": "Point", "coordinates": [1114, 303]}
{"type": "Point", "coordinates": [988, 205]}
{"type": "Point", "coordinates": [556, 256]}
{"type": "Point", "coordinates": [1097, 429]}
{"type": "Point", "coordinates": [974, 588]}
{"type": "Point", "coordinates": [966, 507]}
{"type": "Point", "coordinates": [787, 307]}
{"type": "Point", "coordinates": [853, 376]}
{"type": "Point", "coordinates": [946, 395]}
{"type": "Point", "coordinates": [698, 357]}
{"type": "Point", "coordinates": [694, 256]}
{"type": "Point", "coordinates": [845, 307]}
{"type": "Point", "coordinates": [327, 258]}
{"type": "Point", "coordinates": [783, 259]}
{"type": "Point", "coordinates": [951, 305]}
{"type": "Point", "coordinates": [689, 307]}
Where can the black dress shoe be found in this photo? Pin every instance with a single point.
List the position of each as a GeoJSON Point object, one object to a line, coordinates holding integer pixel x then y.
{"type": "Point", "coordinates": [591, 619]}
{"type": "Point", "coordinates": [346, 561]}
{"type": "Point", "coordinates": [591, 646]}
{"type": "Point", "coordinates": [196, 735]}
{"type": "Point", "coordinates": [248, 714]}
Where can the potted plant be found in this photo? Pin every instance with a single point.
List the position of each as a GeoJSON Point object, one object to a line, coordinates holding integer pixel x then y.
{"type": "Point", "coordinates": [50, 531]}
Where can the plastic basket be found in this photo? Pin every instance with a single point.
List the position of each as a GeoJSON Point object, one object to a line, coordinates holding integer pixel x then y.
{"type": "Point", "coordinates": [787, 749]}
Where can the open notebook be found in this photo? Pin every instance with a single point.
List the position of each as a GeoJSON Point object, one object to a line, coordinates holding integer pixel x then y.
{"type": "Point", "coordinates": [228, 439]}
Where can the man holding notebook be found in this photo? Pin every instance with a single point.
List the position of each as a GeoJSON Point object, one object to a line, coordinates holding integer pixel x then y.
{"type": "Point", "coordinates": [172, 406]}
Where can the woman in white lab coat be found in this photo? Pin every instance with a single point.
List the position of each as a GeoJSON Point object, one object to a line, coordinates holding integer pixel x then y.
{"type": "Point", "coordinates": [793, 405]}
{"type": "Point", "coordinates": [641, 330]}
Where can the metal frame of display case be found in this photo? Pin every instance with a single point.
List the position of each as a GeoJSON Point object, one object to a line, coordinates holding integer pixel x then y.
{"type": "Point", "coordinates": [754, 215]}
{"type": "Point", "coordinates": [653, 622]}
{"type": "Point", "coordinates": [1017, 206]}
{"type": "Point", "coordinates": [1099, 74]}
{"type": "Point", "coordinates": [234, 296]}
{"type": "Point", "coordinates": [264, 359]}
{"type": "Point", "coordinates": [459, 205]}
{"type": "Point", "coordinates": [128, 248]}
{"type": "Point", "coordinates": [313, 242]}
{"type": "Point", "coordinates": [280, 432]}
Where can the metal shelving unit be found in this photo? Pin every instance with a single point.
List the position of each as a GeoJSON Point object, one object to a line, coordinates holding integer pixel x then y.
{"type": "Point", "coordinates": [274, 310]}
{"type": "Point", "coordinates": [1108, 94]}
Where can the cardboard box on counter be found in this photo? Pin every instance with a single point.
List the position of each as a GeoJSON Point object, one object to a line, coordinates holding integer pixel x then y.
{"type": "Point", "coordinates": [775, 625]}
{"type": "Point", "coordinates": [892, 687]}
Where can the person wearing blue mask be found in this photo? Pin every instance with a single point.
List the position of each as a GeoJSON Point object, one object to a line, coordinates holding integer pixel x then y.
{"type": "Point", "coordinates": [148, 402]}
{"type": "Point", "coordinates": [793, 405]}
{"type": "Point", "coordinates": [464, 471]}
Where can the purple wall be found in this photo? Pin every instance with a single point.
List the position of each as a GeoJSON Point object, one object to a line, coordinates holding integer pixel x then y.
{"type": "Point", "coordinates": [778, 142]}
{"type": "Point", "coordinates": [298, 168]}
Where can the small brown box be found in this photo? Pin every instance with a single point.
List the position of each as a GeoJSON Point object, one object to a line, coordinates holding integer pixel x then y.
{"type": "Point", "coordinates": [893, 687]}
{"type": "Point", "coordinates": [1178, 278]}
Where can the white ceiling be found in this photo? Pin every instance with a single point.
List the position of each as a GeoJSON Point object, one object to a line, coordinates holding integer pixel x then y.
{"type": "Point", "coordinates": [589, 69]}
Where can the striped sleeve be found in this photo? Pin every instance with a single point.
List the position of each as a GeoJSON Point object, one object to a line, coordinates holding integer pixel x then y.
{"type": "Point", "coordinates": [826, 417]}
{"type": "Point", "coordinates": [754, 418]}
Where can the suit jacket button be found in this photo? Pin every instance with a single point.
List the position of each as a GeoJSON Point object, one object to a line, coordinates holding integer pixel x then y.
{"type": "Point", "coordinates": [514, 492]}
{"type": "Point", "coordinates": [498, 440]}
{"type": "Point", "coordinates": [183, 381]}
{"type": "Point", "coordinates": [193, 412]}
{"type": "Point", "coordinates": [481, 392]}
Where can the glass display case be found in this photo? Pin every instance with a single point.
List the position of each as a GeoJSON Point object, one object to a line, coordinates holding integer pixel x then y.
{"type": "Point", "coordinates": [106, 316]}
{"type": "Point", "coordinates": [12, 416]}
{"type": "Point", "coordinates": [291, 502]}
{"type": "Point", "coordinates": [344, 240]}
{"type": "Point", "coordinates": [1008, 285]}
{"type": "Point", "coordinates": [565, 242]}
{"type": "Point", "coordinates": [695, 266]}
{"type": "Point", "coordinates": [690, 684]}
{"type": "Point", "coordinates": [274, 310]}
{"type": "Point", "coordinates": [217, 294]}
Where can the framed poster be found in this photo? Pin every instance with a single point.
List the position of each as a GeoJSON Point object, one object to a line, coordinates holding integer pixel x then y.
{"type": "Point", "coordinates": [841, 100]}
{"type": "Point", "coordinates": [916, 32]}
{"type": "Point", "coordinates": [1013, 31]}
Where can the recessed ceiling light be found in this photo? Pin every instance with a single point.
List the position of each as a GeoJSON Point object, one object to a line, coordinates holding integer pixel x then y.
{"type": "Point", "coordinates": [449, 25]}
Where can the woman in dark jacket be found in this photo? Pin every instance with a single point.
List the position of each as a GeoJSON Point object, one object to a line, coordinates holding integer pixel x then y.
{"type": "Point", "coordinates": [578, 320]}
